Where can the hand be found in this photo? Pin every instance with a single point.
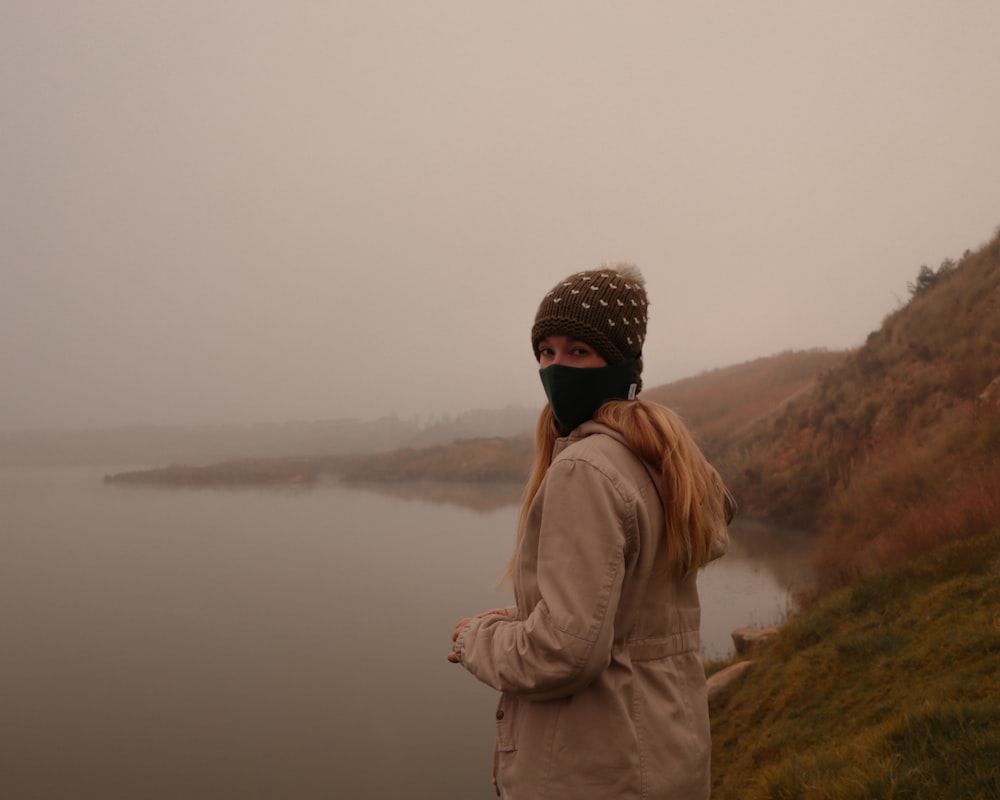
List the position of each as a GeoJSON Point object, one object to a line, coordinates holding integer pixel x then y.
{"type": "Point", "coordinates": [458, 628]}
{"type": "Point", "coordinates": [452, 656]}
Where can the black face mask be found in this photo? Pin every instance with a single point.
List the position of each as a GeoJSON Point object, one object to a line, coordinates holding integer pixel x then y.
{"type": "Point", "coordinates": [575, 393]}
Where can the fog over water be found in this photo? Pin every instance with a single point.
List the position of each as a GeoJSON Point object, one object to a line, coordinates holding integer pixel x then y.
{"type": "Point", "coordinates": [218, 212]}
{"type": "Point", "coordinates": [205, 644]}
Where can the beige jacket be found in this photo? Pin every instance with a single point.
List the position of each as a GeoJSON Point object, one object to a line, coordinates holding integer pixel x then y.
{"type": "Point", "coordinates": [600, 667]}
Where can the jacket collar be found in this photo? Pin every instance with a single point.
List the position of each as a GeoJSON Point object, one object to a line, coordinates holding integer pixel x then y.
{"type": "Point", "coordinates": [582, 431]}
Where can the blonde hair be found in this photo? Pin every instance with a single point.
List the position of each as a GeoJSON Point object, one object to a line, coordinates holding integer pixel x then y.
{"type": "Point", "coordinates": [695, 501]}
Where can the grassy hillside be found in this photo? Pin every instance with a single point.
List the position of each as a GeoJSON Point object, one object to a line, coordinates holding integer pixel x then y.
{"type": "Point", "coordinates": [897, 448]}
{"type": "Point", "coordinates": [888, 684]}
{"type": "Point", "coordinates": [889, 688]}
{"type": "Point", "coordinates": [721, 404]}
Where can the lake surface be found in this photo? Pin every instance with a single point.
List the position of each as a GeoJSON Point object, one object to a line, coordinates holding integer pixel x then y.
{"type": "Point", "coordinates": [206, 643]}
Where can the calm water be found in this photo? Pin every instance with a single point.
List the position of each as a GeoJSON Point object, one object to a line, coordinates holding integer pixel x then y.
{"type": "Point", "coordinates": [191, 644]}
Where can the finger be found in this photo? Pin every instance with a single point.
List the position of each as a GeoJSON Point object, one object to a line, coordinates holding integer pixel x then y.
{"type": "Point", "coordinates": [458, 628]}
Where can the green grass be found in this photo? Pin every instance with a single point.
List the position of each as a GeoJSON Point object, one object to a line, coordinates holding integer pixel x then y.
{"type": "Point", "coordinates": [889, 688]}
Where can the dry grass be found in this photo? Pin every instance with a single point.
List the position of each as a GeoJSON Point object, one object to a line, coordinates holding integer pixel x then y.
{"type": "Point", "coordinates": [914, 497]}
{"type": "Point", "coordinates": [886, 689]}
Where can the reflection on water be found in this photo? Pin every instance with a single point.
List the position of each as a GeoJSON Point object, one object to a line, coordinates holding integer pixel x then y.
{"type": "Point", "coordinates": [477, 496]}
{"type": "Point", "coordinates": [260, 644]}
{"type": "Point", "coordinates": [755, 583]}
{"type": "Point", "coordinates": [787, 552]}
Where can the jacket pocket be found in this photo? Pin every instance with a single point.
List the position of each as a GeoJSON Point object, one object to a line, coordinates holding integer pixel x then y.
{"type": "Point", "coordinates": [506, 709]}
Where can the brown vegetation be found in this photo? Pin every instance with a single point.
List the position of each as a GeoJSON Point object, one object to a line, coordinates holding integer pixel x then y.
{"type": "Point", "coordinates": [493, 460]}
{"type": "Point", "coordinates": [898, 448]}
{"type": "Point", "coordinates": [721, 404]}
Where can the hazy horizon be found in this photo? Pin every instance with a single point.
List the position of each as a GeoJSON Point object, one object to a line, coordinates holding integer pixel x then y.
{"type": "Point", "coordinates": [240, 213]}
{"type": "Point", "coordinates": [422, 420]}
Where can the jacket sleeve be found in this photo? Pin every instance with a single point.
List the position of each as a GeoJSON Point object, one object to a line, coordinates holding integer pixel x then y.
{"type": "Point", "coordinates": [564, 642]}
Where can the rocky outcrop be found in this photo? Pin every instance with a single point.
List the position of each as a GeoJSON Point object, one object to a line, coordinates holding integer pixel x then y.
{"type": "Point", "coordinates": [718, 682]}
{"type": "Point", "coordinates": [746, 641]}
{"type": "Point", "coordinates": [749, 639]}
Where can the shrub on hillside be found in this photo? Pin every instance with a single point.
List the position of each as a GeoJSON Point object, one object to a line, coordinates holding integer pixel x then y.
{"type": "Point", "coordinates": [915, 496]}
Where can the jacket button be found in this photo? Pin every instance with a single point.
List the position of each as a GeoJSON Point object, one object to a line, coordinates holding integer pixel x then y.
{"type": "Point", "coordinates": [499, 713]}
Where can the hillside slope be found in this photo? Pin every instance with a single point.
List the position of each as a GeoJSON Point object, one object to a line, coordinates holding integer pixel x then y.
{"type": "Point", "coordinates": [720, 404]}
{"type": "Point", "coordinates": [898, 448]}
{"type": "Point", "coordinates": [887, 689]}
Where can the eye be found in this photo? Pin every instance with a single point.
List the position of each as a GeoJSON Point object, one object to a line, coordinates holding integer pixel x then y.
{"type": "Point", "coordinates": [545, 350]}
{"type": "Point", "coordinates": [580, 350]}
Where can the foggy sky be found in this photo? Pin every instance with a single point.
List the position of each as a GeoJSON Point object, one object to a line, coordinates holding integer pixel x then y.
{"type": "Point", "coordinates": [265, 211]}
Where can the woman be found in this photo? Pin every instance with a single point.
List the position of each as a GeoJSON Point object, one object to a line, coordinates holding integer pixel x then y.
{"type": "Point", "coordinates": [599, 664]}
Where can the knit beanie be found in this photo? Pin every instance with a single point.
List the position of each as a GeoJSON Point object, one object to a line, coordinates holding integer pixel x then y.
{"type": "Point", "coordinates": [604, 307]}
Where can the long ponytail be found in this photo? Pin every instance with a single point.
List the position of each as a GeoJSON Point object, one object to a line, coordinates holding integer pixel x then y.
{"type": "Point", "coordinates": [696, 504]}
